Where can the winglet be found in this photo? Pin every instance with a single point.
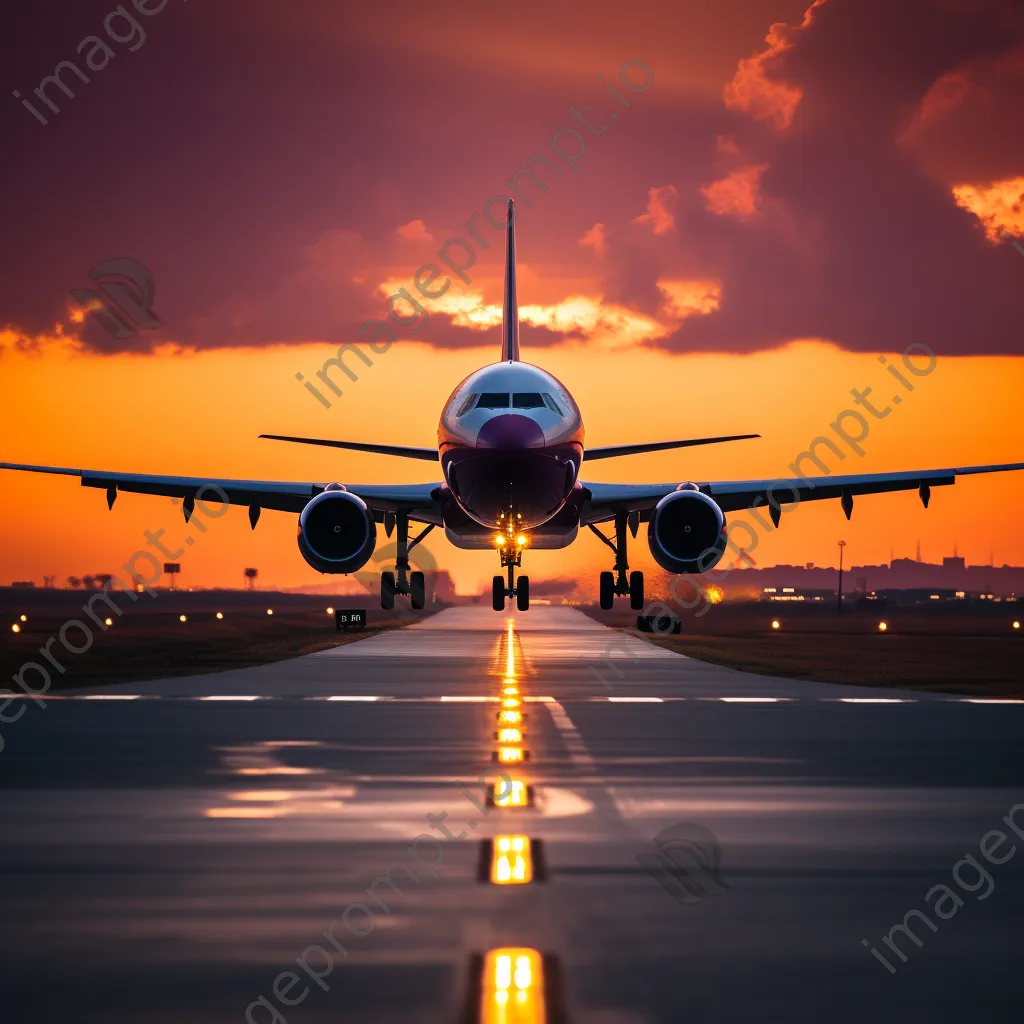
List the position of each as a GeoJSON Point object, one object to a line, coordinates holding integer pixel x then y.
{"type": "Point", "coordinates": [510, 313]}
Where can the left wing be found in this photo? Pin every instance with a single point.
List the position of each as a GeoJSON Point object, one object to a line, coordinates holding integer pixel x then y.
{"type": "Point", "coordinates": [417, 499]}
{"type": "Point", "coordinates": [731, 495]}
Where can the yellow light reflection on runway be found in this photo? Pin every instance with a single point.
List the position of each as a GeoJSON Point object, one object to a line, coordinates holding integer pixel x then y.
{"type": "Point", "coordinates": [510, 658]}
{"type": "Point", "coordinates": [511, 861]}
{"type": "Point", "coordinates": [513, 987]}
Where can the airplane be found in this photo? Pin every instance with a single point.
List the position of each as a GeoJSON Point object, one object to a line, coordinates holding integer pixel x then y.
{"type": "Point", "coordinates": [511, 449]}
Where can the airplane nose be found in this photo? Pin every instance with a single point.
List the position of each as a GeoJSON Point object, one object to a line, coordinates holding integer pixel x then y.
{"type": "Point", "coordinates": [510, 432]}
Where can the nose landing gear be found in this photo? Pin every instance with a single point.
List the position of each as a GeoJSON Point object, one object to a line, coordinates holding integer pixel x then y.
{"type": "Point", "coordinates": [622, 581]}
{"type": "Point", "coordinates": [510, 549]}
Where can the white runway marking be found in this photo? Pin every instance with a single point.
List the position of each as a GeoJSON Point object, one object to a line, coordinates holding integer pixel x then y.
{"type": "Point", "coordinates": [577, 748]}
{"type": "Point", "coordinates": [231, 696]}
{"type": "Point", "coordinates": [636, 700]}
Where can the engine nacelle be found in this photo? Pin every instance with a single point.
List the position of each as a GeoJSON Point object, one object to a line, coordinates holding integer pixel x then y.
{"type": "Point", "coordinates": [687, 531]}
{"type": "Point", "coordinates": [337, 533]}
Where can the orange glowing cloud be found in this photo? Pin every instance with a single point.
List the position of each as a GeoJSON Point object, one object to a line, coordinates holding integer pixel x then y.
{"type": "Point", "coordinates": [737, 194]}
{"type": "Point", "coordinates": [415, 231]}
{"type": "Point", "coordinates": [594, 239]}
{"type": "Point", "coordinates": [999, 206]}
{"type": "Point", "coordinates": [690, 298]}
{"type": "Point", "coordinates": [752, 92]}
{"type": "Point", "coordinates": [661, 219]}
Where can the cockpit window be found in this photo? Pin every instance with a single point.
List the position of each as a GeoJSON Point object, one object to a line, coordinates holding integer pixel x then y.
{"type": "Point", "coordinates": [466, 405]}
{"type": "Point", "coordinates": [493, 400]}
{"type": "Point", "coordinates": [527, 400]}
{"type": "Point", "coordinates": [552, 404]}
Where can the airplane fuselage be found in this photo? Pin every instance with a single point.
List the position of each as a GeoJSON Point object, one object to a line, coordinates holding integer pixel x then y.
{"type": "Point", "coordinates": [510, 442]}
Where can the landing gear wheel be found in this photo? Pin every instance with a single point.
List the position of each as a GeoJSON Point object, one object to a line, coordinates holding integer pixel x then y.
{"type": "Point", "coordinates": [523, 593]}
{"type": "Point", "coordinates": [498, 593]}
{"type": "Point", "coordinates": [607, 591]}
{"type": "Point", "coordinates": [636, 591]}
{"type": "Point", "coordinates": [417, 590]}
{"type": "Point", "coordinates": [387, 590]}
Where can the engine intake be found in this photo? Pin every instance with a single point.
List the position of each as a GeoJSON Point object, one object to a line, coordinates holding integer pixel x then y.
{"type": "Point", "coordinates": [687, 532]}
{"type": "Point", "coordinates": [337, 533]}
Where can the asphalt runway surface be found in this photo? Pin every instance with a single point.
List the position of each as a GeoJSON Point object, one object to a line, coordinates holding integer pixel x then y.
{"type": "Point", "coordinates": [170, 849]}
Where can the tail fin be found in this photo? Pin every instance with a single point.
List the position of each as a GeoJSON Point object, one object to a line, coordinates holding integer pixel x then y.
{"type": "Point", "coordinates": [510, 314]}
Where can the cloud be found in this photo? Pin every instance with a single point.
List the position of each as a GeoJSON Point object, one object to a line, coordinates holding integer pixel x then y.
{"type": "Point", "coordinates": [658, 215]}
{"type": "Point", "coordinates": [594, 238]}
{"type": "Point", "coordinates": [999, 206]}
{"type": "Point", "coordinates": [415, 231]}
{"type": "Point", "coordinates": [761, 97]}
{"type": "Point", "coordinates": [736, 195]}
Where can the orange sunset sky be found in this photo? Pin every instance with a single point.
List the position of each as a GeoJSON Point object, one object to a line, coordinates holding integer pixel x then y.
{"type": "Point", "coordinates": [797, 190]}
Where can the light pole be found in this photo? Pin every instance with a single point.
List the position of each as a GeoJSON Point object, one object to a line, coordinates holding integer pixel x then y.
{"type": "Point", "coordinates": [839, 606]}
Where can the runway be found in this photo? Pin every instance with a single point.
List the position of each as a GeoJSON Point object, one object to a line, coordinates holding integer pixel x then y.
{"type": "Point", "coordinates": [169, 849]}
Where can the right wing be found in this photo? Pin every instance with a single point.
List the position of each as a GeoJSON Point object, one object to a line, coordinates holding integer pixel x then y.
{"type": "Point", "coordinates": [419, 500]}
{"type": "Point", "coordinates": [402, 451]}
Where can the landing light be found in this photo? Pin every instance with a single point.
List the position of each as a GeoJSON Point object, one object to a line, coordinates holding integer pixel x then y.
{"type": "Point", "coordinates": [24, 618]}
{"type": "Point", "coordinates": [510, 702]}
{"type": "Point", "coordinates": [883, 626]}
{"type": "Point", "coordinates": [512, 717]}
{"type": "Point", "coordinates": [499, 541]}
{"type": "Point", "coordinates": [220, 615]}
{"type": "Point", "coordinates": [509, 755]}
{"type": "Point", "coordinates": [108, 622]}
{"type": "Point", "coordinates": [15, 628]}
{"type": "Point", "coordinates": [1016, 625]}
{"type": "Point", "coordinates": [520, 540]}
{"type": "Point", "coordinates": [270, 611]}
{"type": "Point", "coordinates": [183, 618]}
{"type": "Point", "coordinates": [776, 624]}
{"type": "Point", "coordinates": [330, 611]}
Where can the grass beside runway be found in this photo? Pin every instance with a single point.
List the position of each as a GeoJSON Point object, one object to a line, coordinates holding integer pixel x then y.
{"type": "Point", "coordinates": [151, 641]}
{"type": "Point", "coordinates": [975, 655]}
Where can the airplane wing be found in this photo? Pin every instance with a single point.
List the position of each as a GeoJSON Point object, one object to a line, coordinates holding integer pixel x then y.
{"type": "Point", "coordinates": [401, 451]}
{"type": "Point", "coordinates": [732, 495]}
{"type": "Point", "coordinates": [614, 451]}
{"type": "Point", "coordinates": [284, 496]}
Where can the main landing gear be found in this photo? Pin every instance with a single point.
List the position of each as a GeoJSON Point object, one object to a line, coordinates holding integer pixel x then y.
{"type": "Point", "coordinates": [401, 581]}
{"type": "Point", "coordinates": [619, 584]}
{"type": "Point", "coordinates": [510, 547]}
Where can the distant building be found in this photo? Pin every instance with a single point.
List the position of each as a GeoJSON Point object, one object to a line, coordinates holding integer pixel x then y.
{"type": "Point", "coordinates": [23, 585]}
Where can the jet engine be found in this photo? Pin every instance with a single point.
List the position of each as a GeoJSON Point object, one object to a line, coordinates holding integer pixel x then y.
{"type": "Point", "coordinates": [337, 533]}
{"type": "Point", "coordinates": [687, 531]}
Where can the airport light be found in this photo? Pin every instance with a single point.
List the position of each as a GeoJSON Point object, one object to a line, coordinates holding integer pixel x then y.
{"type": "Point", "coordinates": [511, 861]}
{"type": "Point", "coordinates": [1016, 625]}
{"type": "Point", "coordinates": [330, 611]}
{"type": "Point", "coordinates": [521, 540]}
{"type": "Point", "coordinates": [776, 624]}
{"type": "Point", "coordinates": [510, 736]}
{"type": "Point", "coordinates": [512, 717]}
{"type": "Point", "coordinates": [15, 628]}
{"type": "Point", "coordinates": [24, 618]}
{"type": "Point", "coordinates": [510, 755]}
{"type": "Point", "coordinates": [270, 611]}
{"type": "Point", "coordinates": [220, 615]}
{"type": "Point", "coordinates": [513, 987]}
{"type": "Point", "coordinates": [108, 622]}
{"type": "Point", "coordinates": [499, 541]}
{"type": "Point", "coordinates": [510, 691]}
{"type": "Point", "coordinates": [510, 702]}
{"type": "Point", "coordinates": [883, 626]}
{"type": "Point", "coordinates": [183, 618]}
{"type": "Point", "coordinates": [511, 794]}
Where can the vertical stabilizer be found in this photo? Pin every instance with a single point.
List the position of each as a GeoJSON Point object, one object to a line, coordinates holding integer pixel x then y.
{"type": "Point", "coordinates": [510, 312]}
